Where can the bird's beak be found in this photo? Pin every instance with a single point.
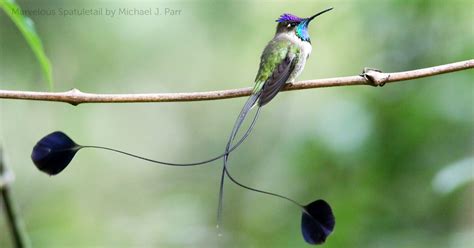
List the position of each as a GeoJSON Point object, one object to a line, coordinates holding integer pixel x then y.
{"type": "Point", "coordinates": [314, 16]}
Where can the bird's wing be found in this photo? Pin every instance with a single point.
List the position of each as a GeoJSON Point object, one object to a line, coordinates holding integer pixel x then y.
{"type": "Point", "coordinates": [277, 80]}
{"type": "Point", "coordinates": [277, 63]}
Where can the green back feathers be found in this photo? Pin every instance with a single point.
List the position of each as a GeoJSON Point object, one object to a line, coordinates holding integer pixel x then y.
{"type": "Point", "coordinates": [275, 52]}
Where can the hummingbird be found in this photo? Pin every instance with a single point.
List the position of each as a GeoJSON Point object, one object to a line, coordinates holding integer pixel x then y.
{"type": "Point", "coordinates": [281, 62]}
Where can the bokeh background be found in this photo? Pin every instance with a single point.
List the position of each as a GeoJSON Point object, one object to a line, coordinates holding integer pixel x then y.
{"type": "Point", "coordinates": [395, 163]}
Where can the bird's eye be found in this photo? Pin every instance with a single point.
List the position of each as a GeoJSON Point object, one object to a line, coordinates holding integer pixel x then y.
{"type": "Point", "coordinates": [289, 25]}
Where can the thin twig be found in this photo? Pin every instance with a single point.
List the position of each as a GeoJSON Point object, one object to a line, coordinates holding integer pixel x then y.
{"type": "Point", "coordinates": [20, 239]}
{"type": "Point", "coordinates": [371, 77]}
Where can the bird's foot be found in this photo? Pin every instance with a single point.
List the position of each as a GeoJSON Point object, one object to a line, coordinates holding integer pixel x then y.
{"type": "Point", "coordinates": [375, 77]}
{"type": "Point", "coordinates": [289, 85]}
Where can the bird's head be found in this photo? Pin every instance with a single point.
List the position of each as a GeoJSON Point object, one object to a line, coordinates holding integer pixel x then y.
{"type": "Point", "coordinates": [288, 23]}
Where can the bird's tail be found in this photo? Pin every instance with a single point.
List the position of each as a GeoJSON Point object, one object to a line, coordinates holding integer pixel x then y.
{"type": "Point", "coordinates": [240, 119]}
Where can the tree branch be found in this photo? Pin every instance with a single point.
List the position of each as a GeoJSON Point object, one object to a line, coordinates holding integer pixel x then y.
{"type": "Point", "coordinates": [369, 77]}
{"type": "Point", "coordinates": [19, 236]}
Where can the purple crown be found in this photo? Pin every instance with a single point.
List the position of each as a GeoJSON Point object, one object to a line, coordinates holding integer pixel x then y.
{"type": "Point", "coordinates": [289, 18]}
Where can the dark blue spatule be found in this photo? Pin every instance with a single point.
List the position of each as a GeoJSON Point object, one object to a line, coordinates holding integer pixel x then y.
{"type": "Point", "coordinates": [317, 222]}
{"type": "Point", "coordinates": [54, 152]}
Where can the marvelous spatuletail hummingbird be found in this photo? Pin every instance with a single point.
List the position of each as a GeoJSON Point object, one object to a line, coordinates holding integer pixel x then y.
{"type": "Point", "coordinates": [282, 60]}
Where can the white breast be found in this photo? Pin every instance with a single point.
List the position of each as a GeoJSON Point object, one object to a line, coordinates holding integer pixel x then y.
{"type": "Point", "coordinates": [305, 48]}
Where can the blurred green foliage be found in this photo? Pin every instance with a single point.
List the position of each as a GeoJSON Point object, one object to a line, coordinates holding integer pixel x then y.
{"type": "Point", "coordinates": [373, 153]}
{"type": "Point", "coordinates": [26, 27]}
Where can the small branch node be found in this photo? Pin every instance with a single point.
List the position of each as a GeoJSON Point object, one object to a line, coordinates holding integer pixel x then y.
{"type": "Point", "coordinates": [75, 96]}
{"type": "Point", "coordinates": [375, 77]}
